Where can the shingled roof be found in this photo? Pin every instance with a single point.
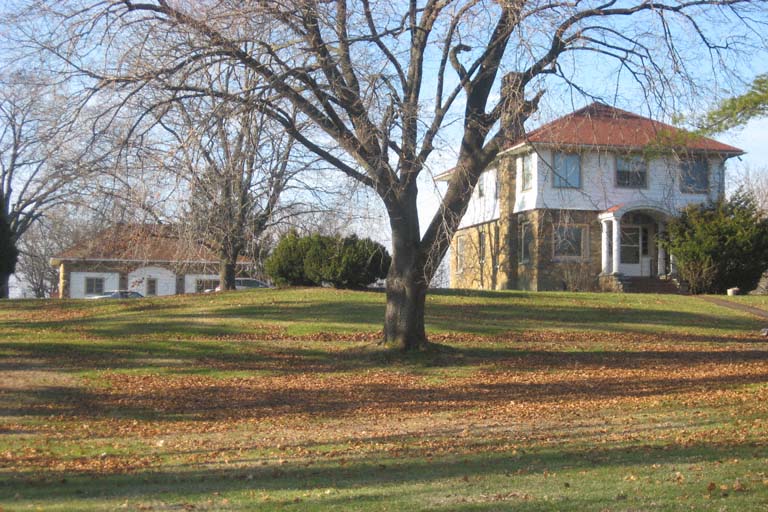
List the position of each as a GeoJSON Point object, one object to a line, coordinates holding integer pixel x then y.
{"type": "Point", "coordinates": [138, 242]}
{"type": "Point", "coordinates": [602, 125]}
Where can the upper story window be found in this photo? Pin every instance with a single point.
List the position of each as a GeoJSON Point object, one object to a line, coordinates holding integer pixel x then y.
{"type": "Point", "coordinates": [481, 186]}
{"type": "Point", "coordinates": [694, 175]}
{"type": "Point", "coordinates": [481, 246]}
{"type": "Point", "coordinates": [631, 171]}
{"type": "Point", "coordinates": [526, 175]}
{"type": "Point", "coordinates": [567, 170]}
{"type": "Point", "coordinates": [568, 242]}
{"type": "Point", "coordinates": [497, 185]}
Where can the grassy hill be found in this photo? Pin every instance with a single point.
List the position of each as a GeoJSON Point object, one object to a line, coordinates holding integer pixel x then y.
{"type": "Point", "coordinates": [282, 400]}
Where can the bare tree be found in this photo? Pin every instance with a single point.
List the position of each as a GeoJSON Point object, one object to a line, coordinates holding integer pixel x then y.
{"type": "Point", "coordinates": [39, 158]}
{"type": "Point", "coordinates": [58, 230]}
{"type": "Point", "coordinates": [237, 166]}
{"type": "Point", "coordinates": [380, 81]}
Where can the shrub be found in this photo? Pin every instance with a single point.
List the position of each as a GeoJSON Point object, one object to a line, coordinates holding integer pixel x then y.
{"type": "Point", "coordinates": [343, 262]}
{"type": "Point", "coordinates": [286, 263]}
{"type": "Point", "coordinates": [360, 263]}
{"type": "Point", "coordinates": [721, 245]}
{"type": "Point", "coordinates": [319, 261]}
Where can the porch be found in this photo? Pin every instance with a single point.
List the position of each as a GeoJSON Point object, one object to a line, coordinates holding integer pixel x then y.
{"type": "Point", "coordinates": [629, 246]}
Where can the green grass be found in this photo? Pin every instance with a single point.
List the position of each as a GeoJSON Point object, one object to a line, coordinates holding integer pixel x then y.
{"type": "Point", "coordinates": [281, 400]}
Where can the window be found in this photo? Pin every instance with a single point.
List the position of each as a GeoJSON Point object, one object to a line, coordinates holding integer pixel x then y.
{"type": "Point", "coordinates": [481, 246]}
{"type": "Point", "coordinates": [151, 287]}
{"type": "Point", "coordinates": [694, 176]}
{"type": "Point", "coordinates": [526, 242]}
{"type": "Point", "coordinates": [481, 186]}
{"type": "Point", "coordinates": [568, 242]}
{"type": "Point", "coordinates": [527, 173]}
{"type": "Point", "coordinates": [567, 170]}
{"type": "Point", "coordinates": [631, 171]}
{"type": "Point", "coordinates": [630, 245]}
{"type": "Point", "coordinates": [94, 285]}
{"type": "Point", "coordinates": [206, 284]}
{"type": "Point", "coordinates": [497, 186]}
{"type": "Point", "coordinates": [460, 253]}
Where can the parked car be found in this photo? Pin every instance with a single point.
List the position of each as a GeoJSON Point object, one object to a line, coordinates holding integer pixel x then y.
{"type": "Point", "coordinates": [119, 294]}
{"type": "Point", "coordinates": [246, 284]}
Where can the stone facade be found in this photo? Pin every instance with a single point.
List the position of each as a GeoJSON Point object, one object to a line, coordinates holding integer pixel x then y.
{"type": "Point", "coordinates": [505, 265]}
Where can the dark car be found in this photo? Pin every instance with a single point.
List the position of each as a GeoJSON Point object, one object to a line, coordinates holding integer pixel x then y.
{"type": "Point", "coordinates": [246, 283]}
{"type": "Point", "coordinates": [120, 294]}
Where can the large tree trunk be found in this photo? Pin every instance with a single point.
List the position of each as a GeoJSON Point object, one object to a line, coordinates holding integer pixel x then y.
{"type": "Point", "coordinates": [4, 288]}
{"type": "Point", "coordinates": [406, 281]}
{"type": "Point", "coordinates": [227, 271]}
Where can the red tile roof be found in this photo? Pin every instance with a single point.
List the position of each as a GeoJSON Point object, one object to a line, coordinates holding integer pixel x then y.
{"type": "Point", "coordinates": [139, 242]}
{"type": "Point", "coordinates": [602, 125]}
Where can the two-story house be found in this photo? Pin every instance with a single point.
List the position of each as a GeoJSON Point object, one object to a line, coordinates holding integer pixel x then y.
{"type": "Point", "coordinates": [579, 202]}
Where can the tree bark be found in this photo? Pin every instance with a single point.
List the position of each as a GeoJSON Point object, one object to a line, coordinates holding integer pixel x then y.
{"type": "Point", "coordinates": [406, 281]}
{"type": "Point", "coordinates": [227, 271]}
{"type": "Point", "coordinates": [4, 288]}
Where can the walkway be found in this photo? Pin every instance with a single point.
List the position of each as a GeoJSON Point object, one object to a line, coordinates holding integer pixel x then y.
{"type": "Point", "coordinates": [737, 306]}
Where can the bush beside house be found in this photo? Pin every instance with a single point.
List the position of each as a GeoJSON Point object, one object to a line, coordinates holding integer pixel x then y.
{"type": "Point", "coordinates": [720, 245]}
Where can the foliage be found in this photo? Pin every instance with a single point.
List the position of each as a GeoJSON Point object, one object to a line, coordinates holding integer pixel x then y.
{"type": "Point", "coordinates": [721, 245]}
{"type": "Point", "coordinates": [346, 262]}
{"type": "Point", "coordinates": [286, 263]}
{"type": "Point", "coordinates": [313, 260]}
{"type": "Point", "coordinates": [739, 110]}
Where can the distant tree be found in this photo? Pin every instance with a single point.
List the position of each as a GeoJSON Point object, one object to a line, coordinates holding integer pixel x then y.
{"type": "Point", "coordinates": [721, 245]}
{"type": "Point", "coordinates": [238, 166]}
{"type": "Point", "coordinates": [739, 110]}
{"type": "Point", "coordinates": [40, 157]}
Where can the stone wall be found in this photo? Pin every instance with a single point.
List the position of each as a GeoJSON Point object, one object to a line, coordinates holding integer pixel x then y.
{"type": "Point", "coordinates": [503, 266]}
{"type": "Point", "coordinates": [575, 274]}
{"type": "Point", "coordinates": [468, 268]}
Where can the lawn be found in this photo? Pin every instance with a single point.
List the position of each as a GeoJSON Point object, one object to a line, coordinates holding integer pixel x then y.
{"type": "Point", "coordinates": [282, 400]}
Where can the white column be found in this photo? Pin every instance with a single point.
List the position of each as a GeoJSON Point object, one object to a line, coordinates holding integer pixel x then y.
{"type": "Point", "coordinates": [606, 258]}
{"type": "Point", "coordinates": [672, 265]}
{"type": "Point", "coordinates": [660, 252]}
{"type": "Point", "coordinates": [616, 245]}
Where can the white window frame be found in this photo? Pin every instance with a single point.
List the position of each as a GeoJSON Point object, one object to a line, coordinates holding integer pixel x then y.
{"type": "Point", "coordinates": [560, 180]}
{"type": "Point", "coordinates": [94, 289]}
{"type": "Point", "coordinates": [525, 227]}
{"type": "Point", "coordinates": [692, 161]}
{"type": "Point", "coordinates": [632, 159]}
{"type": "Point", "coordinates": [584, 243]}
{"type": "Point", "coordinates": [526, 172]}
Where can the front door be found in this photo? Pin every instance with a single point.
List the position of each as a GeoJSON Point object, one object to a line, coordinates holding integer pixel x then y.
{"type": "Point", "coordinates": [635, 254]}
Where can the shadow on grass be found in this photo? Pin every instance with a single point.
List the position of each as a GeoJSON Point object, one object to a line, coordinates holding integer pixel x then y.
{"type": "Point", "coordinates": [373, 479]}
{"type": "Point", "coordinates": [475, 319]}
{"type": "Point", "coordinates": [297, 390]}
